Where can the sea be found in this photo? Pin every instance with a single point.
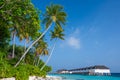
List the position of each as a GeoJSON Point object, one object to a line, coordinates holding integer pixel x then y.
{"type": "Point", "coordinates": [113, 76]}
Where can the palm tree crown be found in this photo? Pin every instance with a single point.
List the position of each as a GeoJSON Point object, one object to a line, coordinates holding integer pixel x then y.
{"type": "Point", "coordinates": [41, 47]}
{"type": "Point", "coordinates": [57, 33]}
{"type": "Point", "coordinates": [54, 13]}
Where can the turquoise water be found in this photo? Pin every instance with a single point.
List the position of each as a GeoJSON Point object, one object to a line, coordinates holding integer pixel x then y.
{"type": "Point", "coordinates": [85, 77]}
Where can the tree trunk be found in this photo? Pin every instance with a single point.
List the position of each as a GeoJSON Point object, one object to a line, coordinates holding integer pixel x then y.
{"type": "Point", "coordinates": [2, 6]}
{"type": "Point", "coordinates": [38, 60]}
{"type": "Point", "coordinates": [49, 56]}
{"type": "Point", "coordinates": [31, 46]}
{"type": "Point", "coordinates": [34, 60]}
{"type": "Point", "coordinates": [25, 45]}
{"type": "Point", "coordinates": [13, 52]}
{"type": "Point", "coordinates": [24, 50]}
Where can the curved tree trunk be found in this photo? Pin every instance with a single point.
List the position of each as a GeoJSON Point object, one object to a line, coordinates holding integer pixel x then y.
{"type": "Point", "coordinates": [49, 56]}
{"type": "Point", "coordinates": [31, 46]}
{"type": "Point", "coordinates": [13, 52]}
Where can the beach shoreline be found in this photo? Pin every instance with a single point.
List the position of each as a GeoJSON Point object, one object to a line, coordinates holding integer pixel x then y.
{"type": "Point", "coordinates": [37, 78]}
{"type": "Point", "coordinates": [47, 78]}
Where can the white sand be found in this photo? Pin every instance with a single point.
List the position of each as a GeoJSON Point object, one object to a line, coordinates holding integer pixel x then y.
{"type": "Point", "coordinates": [8, 78]}
{"type": "Point", "coordinates": [37, 78]}
{"type": "Point", "coordinates": [47, 78]}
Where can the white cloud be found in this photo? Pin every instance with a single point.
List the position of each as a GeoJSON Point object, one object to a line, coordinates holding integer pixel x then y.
{"type": "Point", "coordinates": [74, 42]}
{"type": "Point", "coordinates": [75, 33]}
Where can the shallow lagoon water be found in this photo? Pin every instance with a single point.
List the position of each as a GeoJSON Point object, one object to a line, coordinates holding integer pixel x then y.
{"type": "Point", "coordinates": [86, 77]}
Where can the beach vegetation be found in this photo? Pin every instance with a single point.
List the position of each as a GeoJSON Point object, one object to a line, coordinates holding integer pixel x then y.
{"type": "Point", "coordinates": [54, 15]}
{"type": "Point", "coordinates": [23, 71]}
{"type": "Point", "coordinates": [20, 25]}
{"type": "Point", "coordinates": [56, 34]}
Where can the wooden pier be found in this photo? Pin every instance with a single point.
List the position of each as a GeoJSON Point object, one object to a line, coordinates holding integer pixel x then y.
{"type": "Point", "coordinates": [92, 70]}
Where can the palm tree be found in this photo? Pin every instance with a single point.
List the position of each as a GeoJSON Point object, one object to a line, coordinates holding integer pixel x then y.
{"type": "Point", "coordinates": [13, 39]}
{"type": "Point", "coordinates": [57, 33]}
{"type": "Point", "coordinates": [15, 32]}
{"type": "Point", "coordinates": [54, 14]}
{"type": "Point", "coordinates": [26, 40]}
{"type": "Point", "coordinates": [41, 49]}
{"type": "Point", "coordinates": [26, 36]}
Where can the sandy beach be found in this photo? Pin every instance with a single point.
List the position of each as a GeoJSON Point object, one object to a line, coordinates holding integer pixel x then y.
{"type": "Point", "coordinates": [37, 78]}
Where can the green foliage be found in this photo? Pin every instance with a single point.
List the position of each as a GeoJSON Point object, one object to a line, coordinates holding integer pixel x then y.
{"type": "Point", "coordinates": [12, 61]}
{"type": "Point", "coordinates": [5, 69]}
{"type": "Point", "coordinates": [22, 18]}
{"type": "Point", "coordinates": [54, 13]}
{"type": "Point", "coordinates": [23, 71]}
{"type": "Point", "coordinates": [41, 47]}
{"type": "Point", "coordinates": [47, 68]}
{"type": "Point", "coordinates": [29, 58]}
{"type": "Point", "coordinates": [2, 56]}
{"type": "Point", "coordinates": [57, 33]}
{"type": "Point", "coordinates": [4, 38]}
{"type": "Point", "coordinates": [34, 70]}
{"type": "Point", "coordinates": [18, 52]}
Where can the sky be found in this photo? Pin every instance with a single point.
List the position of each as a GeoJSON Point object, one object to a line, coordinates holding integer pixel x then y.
{"type": "Point", "coordinates": [92, 34]}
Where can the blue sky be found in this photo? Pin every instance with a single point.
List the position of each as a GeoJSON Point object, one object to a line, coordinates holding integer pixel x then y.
{"type": "Point", "coordinates": [92, 34]}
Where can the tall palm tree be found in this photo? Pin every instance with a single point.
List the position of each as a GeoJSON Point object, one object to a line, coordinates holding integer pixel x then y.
{"type": "Point", "coordinates": [13, 39]}
{"type": "Point", "coordinates": [54, 14]}
{"type": "Point", "coordinates": [26, 40]}
{"type": "Point", "coordinates": [26, 37]}
{"type": "Point", "coordinates": [15, 32]}
{"type": "Point", "coordinates": [41, 49]}
{"type": "Point", "coordinates": [56, 34]}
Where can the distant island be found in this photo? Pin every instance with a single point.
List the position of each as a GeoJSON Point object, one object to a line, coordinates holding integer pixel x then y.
{"type": "Point", "coordinates": [92, 70]}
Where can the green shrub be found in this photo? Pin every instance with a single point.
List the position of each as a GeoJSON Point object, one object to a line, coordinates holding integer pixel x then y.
{"type": "Point", "coordinates": [22, 72]}
{"type": "Point", "coordinates": [5, 70]}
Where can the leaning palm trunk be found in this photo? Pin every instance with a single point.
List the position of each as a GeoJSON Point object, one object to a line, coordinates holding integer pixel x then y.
{"type": "Point", "coordinates": [49, 56]}
{"type": "Point", "coordinates": [31, 46]}
{"type": "Point", "coordinates": [13, 52]}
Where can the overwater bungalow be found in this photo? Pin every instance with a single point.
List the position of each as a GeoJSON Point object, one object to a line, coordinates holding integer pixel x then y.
{"type": "Point", "coordinates": [62, 71]}
{"type": "Point", "coordinates": [92, 70]}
